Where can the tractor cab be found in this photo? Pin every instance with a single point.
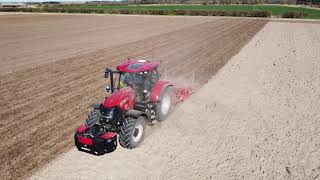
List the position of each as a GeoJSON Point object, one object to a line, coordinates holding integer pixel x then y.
{"type": "Point", "coordinates": [140, 75]}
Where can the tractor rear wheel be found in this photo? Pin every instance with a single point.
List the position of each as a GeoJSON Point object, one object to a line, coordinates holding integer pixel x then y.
{"type": "Point", "coordinates": [163, 107]}
{"type": "Point", "coordinates": [132, 132]}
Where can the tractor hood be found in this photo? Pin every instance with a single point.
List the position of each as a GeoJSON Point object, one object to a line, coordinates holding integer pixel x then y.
{"type": "Point", "coordinates": [123, 98]}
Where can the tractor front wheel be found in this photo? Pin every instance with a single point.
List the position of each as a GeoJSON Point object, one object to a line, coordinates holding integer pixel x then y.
{"type": "Point", "coordinates": [93, 117]}
{"type": "Point", "coordinates": [132, 132]}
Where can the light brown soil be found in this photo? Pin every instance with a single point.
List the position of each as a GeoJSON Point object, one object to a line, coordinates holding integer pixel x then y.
{"type": "Point", "coordinates": [43, 105]}
{"type": "Point", "coordinates": [257, 118]}
{"type": "Point", "coordinates": [29, 39]}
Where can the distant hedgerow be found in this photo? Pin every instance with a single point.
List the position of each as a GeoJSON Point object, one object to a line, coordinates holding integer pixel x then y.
{"type": "Point", "coordinates": [145, 11]}
{"type": "Point", "coordinates": [293, 15]}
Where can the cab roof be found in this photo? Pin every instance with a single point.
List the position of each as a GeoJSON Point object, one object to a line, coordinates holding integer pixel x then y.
{"type": "Point", "coordinates": [134, 66]}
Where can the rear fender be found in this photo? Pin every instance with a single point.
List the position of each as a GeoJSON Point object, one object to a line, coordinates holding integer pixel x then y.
{"type": "Point", "coordinates": [157, 90]}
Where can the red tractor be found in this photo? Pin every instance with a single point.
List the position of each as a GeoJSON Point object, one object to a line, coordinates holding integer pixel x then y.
{"type": "Point", "coordinates": [138, 97]}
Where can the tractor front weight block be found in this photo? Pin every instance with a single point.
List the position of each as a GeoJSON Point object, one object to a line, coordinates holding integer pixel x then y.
{"type": "Point", "coordinates": [96, 145]}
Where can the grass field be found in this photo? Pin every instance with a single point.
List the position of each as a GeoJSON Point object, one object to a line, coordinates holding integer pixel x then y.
{"type": "Point", "coordinates": [276, 10]}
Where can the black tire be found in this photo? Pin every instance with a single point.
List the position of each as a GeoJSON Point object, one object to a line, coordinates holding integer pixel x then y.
{"type": "Point", "coordinates": [93, 116]}
{"type": "Point", "coordinates": [130, 130]}
{"type": "Point", "coordinates": [160, 113]}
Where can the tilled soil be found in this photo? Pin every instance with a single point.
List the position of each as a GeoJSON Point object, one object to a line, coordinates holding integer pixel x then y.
{"type": "Point", "coordinates": [28, 40]}
{"type": "Point", "coordinates": [257, 118]}
{"type": "Point", "coordinates": [44, 104]}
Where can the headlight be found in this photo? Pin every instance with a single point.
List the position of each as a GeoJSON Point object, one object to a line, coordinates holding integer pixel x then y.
{"type": "Point", "coordinates": [108, 126]}
{"type": "Point", "coordinates": [107, 116]}
{"type": "Point", "coordinates": [110, 114]}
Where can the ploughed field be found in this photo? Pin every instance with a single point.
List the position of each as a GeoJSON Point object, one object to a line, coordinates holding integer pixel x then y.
{"type": "Point", "coordinates": [51, 71]}
{"type": "Point", "coordinates": [256, 118]}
